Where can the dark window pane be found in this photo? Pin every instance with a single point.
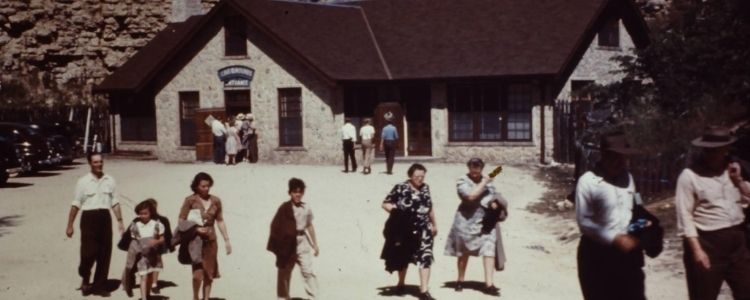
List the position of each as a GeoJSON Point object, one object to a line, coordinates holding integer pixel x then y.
{"type": "Point", "coordinates": [189, 102]}
{"type": "Point", "coordinates": [138, 120]}
{"type": "Point", "coordinates": [519, 112]}
{"type": "Point", "coordinates": [237, 101]}
{"type": "Point", "coordinates": [609, 34]}
{"type": "Point", "coordinates": [490, 126]}
{"type": "Point", "coordinates": [235, 37]}
{"type": "Point", "coordinates": [290, 117]}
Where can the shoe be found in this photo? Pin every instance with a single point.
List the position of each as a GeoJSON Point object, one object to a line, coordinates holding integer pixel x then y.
{"type": "Point", "coordinates": [86, 289]}
{"type": "Point", "coordinates": [155, 290]}
{"type": "Point", "coordinates": [345, 171]}
{"type": "Point", "coordinates": [425, 296]}
{"type": "Point", "coordinates": [491, 290]}
{"type": "Point", "coordinates": [459, 286]}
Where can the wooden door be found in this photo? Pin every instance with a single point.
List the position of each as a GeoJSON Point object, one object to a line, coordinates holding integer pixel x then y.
{"type": "Point", "coordinates": [393, 109]}
{"type": "Point", "coordinates": [204, 142]}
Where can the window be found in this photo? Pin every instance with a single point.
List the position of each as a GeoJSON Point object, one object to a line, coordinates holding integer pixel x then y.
{"type": "Point", "coordinates": [609, 34]}
{"type": "Point", "coordinates": [189, 102]}
{"type": "Point", "coordinates": [236, 102]}
{"type": "Point", "coordinates": [579, 89]}
{"type": "Point", "coordinates": [519, 112]}
{"type": "Point", "coordinates": [290, 117]}
{"type": "Point", "coordinates": [475, 113]}
{"type": "Point", "coordinates": [235, 39]}
{"type": "Point", "coordinates": [138, 120]}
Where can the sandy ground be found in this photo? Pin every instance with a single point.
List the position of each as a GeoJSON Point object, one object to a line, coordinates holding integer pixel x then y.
{"type": "Point", "coordinates": [39, 262]}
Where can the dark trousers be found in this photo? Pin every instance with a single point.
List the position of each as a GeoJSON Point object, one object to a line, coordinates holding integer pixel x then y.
{"type": "Point", "coordinates": [606, 273]}
{"type": "Point", "coordinates": [390, 154]}
{"type": "Point", "coordinates": [96, 245]}
{"type": "Point", "coordinates": [730, 262]}
{"type": "Point", "coordinates": [349, 154]}
{"type": "Point", "coordinates": [219, 149]}
{"type": "Point", "coordinates": [252, 148]}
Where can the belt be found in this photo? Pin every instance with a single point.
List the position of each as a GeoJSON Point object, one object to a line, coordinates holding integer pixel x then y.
{"type": "Point", "coordinates": [300, 232]}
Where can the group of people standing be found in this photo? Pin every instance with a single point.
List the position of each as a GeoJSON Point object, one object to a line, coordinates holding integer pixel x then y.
{"type": "Point", "coordinates": [388, 139]}
{"type": "Point", "coordinates": [235, 140]}
{"type": "Point", "coordinates": [616, 230]}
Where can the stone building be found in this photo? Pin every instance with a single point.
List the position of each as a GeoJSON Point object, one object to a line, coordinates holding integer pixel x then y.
{"type": "Point", "coordinates": [463, 78]}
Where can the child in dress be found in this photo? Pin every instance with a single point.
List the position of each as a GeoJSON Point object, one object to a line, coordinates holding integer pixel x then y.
{"type": "Point", "coordinates": [149, 234]}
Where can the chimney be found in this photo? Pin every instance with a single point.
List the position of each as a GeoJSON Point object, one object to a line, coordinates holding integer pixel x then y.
{"type": "Point", "coordinates": [184, 9]}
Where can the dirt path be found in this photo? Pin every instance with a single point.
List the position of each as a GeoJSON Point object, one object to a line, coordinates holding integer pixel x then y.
{"type": "Point", "coordinates": [39, 262]}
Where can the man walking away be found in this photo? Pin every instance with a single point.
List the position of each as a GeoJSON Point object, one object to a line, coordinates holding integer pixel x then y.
{"type": "Point", "coordinates": [220, 139]}
{"type": "Point", "coordinates": [388, 139]}
{"type": "Point", "coordinates": [349, 137]}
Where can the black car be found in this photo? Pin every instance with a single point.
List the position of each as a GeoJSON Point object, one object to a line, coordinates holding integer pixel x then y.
{"type": "Point", "coordinates": [60, 146]}
{"type": "Point", "coordinates": [33, 146]}
{"type": "Point", "coordinates": [10, 160]}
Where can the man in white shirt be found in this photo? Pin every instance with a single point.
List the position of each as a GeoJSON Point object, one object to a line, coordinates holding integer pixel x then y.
{"type": "Point", "coordinates": [709, 200]}
{"type": "Point", "coordinates": [610, 260]}
{"type": "Point", "coordinates": [349, 138]}
{"type": "Point", "coordinates": [220, 139]}
{"type": "Point", "coordinates": [94, 197]}
{"type": "Point", "coordinates": [367, 132]}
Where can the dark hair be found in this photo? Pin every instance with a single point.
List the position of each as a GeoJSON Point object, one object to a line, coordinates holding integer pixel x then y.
{"type": "Point", "coordinates": [91, 154]}
{"type": "Point", "coordinates": [201, 177]}
{"type": "Point", "coordinates": [147, 204]}
{"type": "Point", "coordinates": [295, 184]}
{"type": "Point", "coordinates": [347, 120]}
{"type": "Point", "coordinates": [414, 168]}
{"type": "Point", "coordinates": [475, 162]}
{"type": "Point", "coordinates": [154, 203]}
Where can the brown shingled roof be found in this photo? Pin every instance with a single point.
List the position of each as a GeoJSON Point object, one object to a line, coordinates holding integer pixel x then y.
{"type": "Point", "coordinates": [403, 39]}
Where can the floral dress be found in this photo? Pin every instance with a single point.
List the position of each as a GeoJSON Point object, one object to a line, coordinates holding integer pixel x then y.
{"type": "Point", "coordinates": [419, 204]}
{"type": "Point", "coordinates": [465, 237]}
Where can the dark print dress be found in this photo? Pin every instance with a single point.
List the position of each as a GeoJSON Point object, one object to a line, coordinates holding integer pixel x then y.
{"type": "Point", "coordinates": [419, 205]}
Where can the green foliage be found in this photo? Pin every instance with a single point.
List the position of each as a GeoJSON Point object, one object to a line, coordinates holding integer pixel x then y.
{"type": "Point", "coordinates": [695, 72]}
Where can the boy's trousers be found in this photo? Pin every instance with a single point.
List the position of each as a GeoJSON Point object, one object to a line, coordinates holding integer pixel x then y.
{"type": "Point", "coordinates": [304, 260]}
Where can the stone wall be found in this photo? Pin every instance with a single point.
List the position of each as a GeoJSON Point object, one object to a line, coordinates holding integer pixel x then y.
{"type": "Point", "coordinates": [74, 43]}
{"type": "Point", "coordinates": [597, 64]}
{"type": "Point", "coordinates": [274, 69]}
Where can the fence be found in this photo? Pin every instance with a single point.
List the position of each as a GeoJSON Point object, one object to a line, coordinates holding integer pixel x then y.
{"type": "Point", "coordinates": [654, 174]}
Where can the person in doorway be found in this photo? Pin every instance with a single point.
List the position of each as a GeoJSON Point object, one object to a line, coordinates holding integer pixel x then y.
{"type": "Point", "coordinates": [242, 147]}
{"type": "Point", "coordinates": [220, 139]}
{"type": "Point", "coordinates": [250, 138]}
{"type": "Point", "coordinates": [293, 241]}
{"type": "Point", "coordinates": [388, 140]}
{"type": "Point", "coordinates": [210, 210]}
{"type": "Point", "coordinates": [412, 200]}
{"type": "Point", "coordinates": [349, 138]}
{"type": "Point", "coordinates": [610, 260]}
{"type": "Point", "coordinates": [95, 197]}
{"type": "Point", "coordinates": [367, 132]}
{"type": "Point", "coordinates": [466, 238]}
{"type": "Point", "coordinates": [709, 200]}
{"type": "Point", "coordinates": [233, 142]}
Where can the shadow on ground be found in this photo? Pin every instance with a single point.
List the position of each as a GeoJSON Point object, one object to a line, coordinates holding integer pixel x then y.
{"type": "Point", "coordinates": [392, 291]}
{"type": "Point", "coordinates": [468, 285]}
{"type": "Point", "coordinates": [14, 185]}
{"type": "Point", "coordinates": [8, 221]}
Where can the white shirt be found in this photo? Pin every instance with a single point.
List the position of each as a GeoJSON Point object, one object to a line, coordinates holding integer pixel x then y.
{"type": "Point", "coordinates": [603, 210]}
{"type": "Point", "coordinates": [349, 132]}
{"type": "Point", "coordinates": [217, 128]}
{"type": "Point", "coordinates": [706, 203]}
{"type": "Point", "coordinates": [148, 230]}
{"type": "Point", "coordinates": [367, 132]}
{"type": "Point", "coordinates": [95, 193]}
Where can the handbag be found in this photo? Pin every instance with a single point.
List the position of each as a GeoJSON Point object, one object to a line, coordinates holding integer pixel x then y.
{"type": "Point", "coordinates": [651, 237]}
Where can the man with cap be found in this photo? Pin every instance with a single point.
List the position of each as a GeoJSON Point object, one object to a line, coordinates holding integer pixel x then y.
{"type": "Point", "coordinates": [610, 260]}
{"type": "Point", "coordinates": [709, 197]}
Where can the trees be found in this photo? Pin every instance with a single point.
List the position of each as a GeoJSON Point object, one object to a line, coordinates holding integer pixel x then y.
{"type": "Point", "coordinates": [695, 72]}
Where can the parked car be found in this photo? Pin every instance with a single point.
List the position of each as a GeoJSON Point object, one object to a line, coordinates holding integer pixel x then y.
{"type": "Point", "coordinates": [33, 146]}
{"type": "Point", "coordinates": [61, 147]}
{"type": "Point", "coordinates": [10, 160]}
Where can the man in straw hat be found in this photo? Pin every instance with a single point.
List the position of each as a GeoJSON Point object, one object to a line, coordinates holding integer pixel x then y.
{"type": "Point", "coordinates": [610, 260]}
{"type": "Point", "coordinates": [709, 199]}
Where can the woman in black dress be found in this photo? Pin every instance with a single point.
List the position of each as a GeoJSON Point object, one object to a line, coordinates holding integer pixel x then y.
{"type": "Point", "coordinates": [411, 200]}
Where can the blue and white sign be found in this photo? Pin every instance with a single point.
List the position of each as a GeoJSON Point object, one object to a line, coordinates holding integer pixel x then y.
{"type": "Point", "coordinates": [236, 76]}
